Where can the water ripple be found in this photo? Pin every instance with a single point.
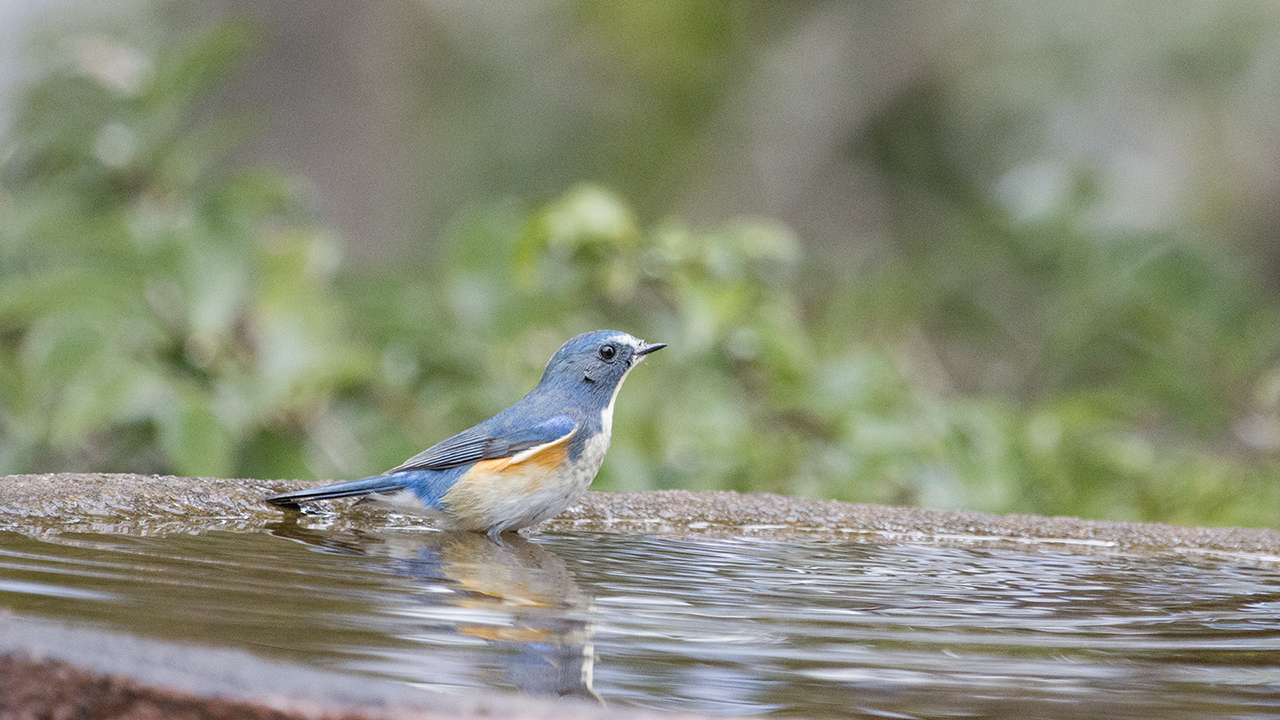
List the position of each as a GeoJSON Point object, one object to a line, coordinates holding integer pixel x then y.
{"type": "Point", "coordinates": [722, 626]}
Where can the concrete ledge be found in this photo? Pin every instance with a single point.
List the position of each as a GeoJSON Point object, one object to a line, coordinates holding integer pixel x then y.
{"type": "Point", "coordinates": [787, 518]}
{"type": "Point", "coordinates": [51, 670]}
{"type": "Point", "coordinates": [166, 504]}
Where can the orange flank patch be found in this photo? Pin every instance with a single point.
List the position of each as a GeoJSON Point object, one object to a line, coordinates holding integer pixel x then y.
{"type": "Point", "coordinates": [509, 634]}
{"type": "Point", "coordinates": [545, 457]}
{"type": "Point", "coordinates": [505, 487]}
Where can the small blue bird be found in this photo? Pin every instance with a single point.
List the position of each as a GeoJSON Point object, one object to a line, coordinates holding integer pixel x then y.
{"type": "Point", "coordinates": [523, 465]}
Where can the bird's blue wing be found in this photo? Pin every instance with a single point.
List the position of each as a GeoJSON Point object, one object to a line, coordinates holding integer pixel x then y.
{"type": "Point", "coordinates": [464, 448]}
{"type": "Point", "coordinates": [426, 473]}
{"type": "Point", "coordinates": [488, 441]}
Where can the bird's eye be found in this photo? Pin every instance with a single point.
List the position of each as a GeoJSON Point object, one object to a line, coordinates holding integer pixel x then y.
{"type": "Point", "coordinates": [607, 352]}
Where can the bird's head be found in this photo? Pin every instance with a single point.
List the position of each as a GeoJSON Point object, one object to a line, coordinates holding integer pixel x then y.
{"type": "Point", "coordinates": [595, 363]}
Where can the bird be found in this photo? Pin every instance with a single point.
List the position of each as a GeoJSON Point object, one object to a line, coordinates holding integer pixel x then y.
{"type": "Point", "coordinates": [522, 466]}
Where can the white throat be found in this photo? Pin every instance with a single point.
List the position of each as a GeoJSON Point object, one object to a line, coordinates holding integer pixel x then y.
{"type": "Point", "coordinates": [606, 415]}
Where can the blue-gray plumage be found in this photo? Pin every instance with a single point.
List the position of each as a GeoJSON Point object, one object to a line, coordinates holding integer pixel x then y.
{"type": "Point", "coordinates": [523, 465]}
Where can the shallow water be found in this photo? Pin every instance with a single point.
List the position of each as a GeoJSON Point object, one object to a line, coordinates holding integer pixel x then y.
{"type": "Point", "coordinates": [715, 626]}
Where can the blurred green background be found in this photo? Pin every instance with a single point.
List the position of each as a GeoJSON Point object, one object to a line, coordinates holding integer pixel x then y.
{"type": "Point", "coordinates": [1002, 256]}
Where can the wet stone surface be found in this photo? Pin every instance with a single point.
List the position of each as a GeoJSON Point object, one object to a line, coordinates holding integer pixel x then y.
{"type": "Point", "coordinates": [165, 596]}
{"type": "Point", "coordinates": [162, 504]}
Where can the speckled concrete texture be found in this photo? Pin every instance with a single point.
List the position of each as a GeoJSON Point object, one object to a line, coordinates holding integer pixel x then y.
{"type": "Point", "coordinates": [787, 518]}
{"type": "Point", "coordinates": [32, 688]}
{"type": "Point", "coordinates": [161, 504]}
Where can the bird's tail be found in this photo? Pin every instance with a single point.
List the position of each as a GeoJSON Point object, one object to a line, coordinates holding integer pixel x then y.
{"type": "Point", "coordinates": [367, 486]}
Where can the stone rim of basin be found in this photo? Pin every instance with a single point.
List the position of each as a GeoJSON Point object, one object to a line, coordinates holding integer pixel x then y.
{"type": "Point", "coordinates": [150, 504]}
{"type": "Point", "coordinates": [53, 669]}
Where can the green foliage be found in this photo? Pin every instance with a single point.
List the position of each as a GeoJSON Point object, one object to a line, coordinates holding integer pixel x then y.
{"type": "Point", "coordinates": [156, 314]}
{"type": "Point", "coordinates": [772, 383]}
{"type": "Point", "coordinates": [160, 313]}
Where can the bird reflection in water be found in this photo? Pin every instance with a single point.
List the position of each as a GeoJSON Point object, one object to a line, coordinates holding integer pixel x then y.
{"type": "Point", "coordinates": [518, 597]}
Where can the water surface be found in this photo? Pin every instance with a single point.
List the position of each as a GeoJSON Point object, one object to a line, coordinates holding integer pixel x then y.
{"type": "Point", "coordinates": [817, 629]}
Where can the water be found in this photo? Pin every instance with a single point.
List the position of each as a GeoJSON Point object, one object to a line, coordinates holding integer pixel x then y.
{"type": "Point", "coordinates": [715, 626]}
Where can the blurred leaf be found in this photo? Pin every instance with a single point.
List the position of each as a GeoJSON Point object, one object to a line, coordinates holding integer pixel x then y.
{"type": "Point", "coordinates": [1003, 349]}
{"type": "Point", "coordinates": [193, 439]}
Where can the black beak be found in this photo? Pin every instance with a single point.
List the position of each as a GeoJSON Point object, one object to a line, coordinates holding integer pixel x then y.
{"type": "Point", "coordinates": [647, 348]}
